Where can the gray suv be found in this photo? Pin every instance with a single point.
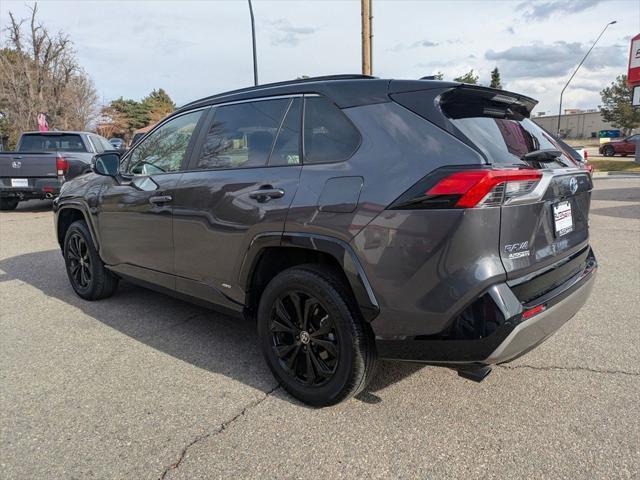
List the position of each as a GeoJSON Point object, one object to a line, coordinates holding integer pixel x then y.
{"type": "Point", "coordinates": [353, 218]}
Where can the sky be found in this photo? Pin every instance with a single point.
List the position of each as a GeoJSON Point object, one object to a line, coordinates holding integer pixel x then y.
{"type": "Point", "coordinates": [194, 49]}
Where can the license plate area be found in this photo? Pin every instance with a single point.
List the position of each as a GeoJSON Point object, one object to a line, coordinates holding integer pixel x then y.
{"type": "Point", "coordinates": [19, 182]}
{"type": "Point", "coordinates": [562, 218]}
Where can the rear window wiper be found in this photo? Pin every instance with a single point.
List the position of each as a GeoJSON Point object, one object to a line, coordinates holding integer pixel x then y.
{"type": "Point", "coordinates": [544, 155]}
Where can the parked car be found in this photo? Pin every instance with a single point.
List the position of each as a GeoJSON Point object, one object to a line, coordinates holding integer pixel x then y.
{"type": "Point", "coordinates": [43, 161]}
{"type": "Point", "coordinates": [117, 143]}
{"type": "Point", "coordinates": [623, 147]}
{"type": "Point", "coordinates": [353, 218]}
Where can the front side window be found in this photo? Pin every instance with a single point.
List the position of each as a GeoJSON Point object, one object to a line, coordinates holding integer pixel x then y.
{"type": "Point", "coordinates": [164, 149]}
{"type": "Point", "coordinates": [328, 135]}
{"type": "Point", "coordinates": [242, 135]}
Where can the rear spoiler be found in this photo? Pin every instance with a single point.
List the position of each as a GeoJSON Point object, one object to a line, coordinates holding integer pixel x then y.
{"type": "Point", "coordinates": [489, 101]}
{"type": "Point", "coordinates": [462, 92]}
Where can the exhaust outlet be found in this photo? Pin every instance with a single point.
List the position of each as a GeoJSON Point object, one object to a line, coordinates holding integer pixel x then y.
{"type": "Point", "coordinates": [48, 195]}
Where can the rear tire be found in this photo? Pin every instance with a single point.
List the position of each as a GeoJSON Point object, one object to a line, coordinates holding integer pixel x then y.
{"type": "Point", "coordinates": [608, 151]}
{"type": "Point", "coordinates": [9, 203]}
{"type": "Point", "coordinates": [87, 274]}
{"type": "Point", "coordinates": [313, 337]}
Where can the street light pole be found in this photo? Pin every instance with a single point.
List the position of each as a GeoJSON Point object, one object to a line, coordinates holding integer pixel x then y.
{"type": "Point", "coordinates": [253, 38]}
{"type": "Point", "coordinates": [576, 71]}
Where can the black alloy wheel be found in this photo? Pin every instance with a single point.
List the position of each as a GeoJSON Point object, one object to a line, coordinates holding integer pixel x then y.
{"type": "Point", "coordinates": [79, 261]}
{"type": "Point", "coordinates": [304, 338]}
{"type": "Point", "coordinates": [313, 336]}
{"type": "Point", "coordinates": [87, 274]}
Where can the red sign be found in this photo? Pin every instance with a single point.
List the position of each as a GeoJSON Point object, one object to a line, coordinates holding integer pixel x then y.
{"type": "Point", "coordinates": [633, 77]}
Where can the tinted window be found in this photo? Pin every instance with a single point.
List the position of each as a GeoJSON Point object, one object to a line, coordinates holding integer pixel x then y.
{"type": "Point", "coordinates": [287, 148]}
{"type": "Point", "coordinates": [50, 143]}
{"type": "Point", "coordinates": [328, 135]}
{"type": "Point", "coordinates": [164, 149]}
{"type": "Point", "coordinates": [242, 135]}
{"type": "Point", "coordinates": [499, 125]}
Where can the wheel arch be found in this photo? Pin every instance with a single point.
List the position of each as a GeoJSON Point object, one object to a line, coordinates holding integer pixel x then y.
{"type": "Point", "coordinates": [271, 253]}
{"type": "Point", "coordinates": [66, 215]}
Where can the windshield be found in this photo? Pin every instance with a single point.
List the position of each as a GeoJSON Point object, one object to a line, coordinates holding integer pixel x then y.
{"type": "Point", "coordinates": [51, 143]}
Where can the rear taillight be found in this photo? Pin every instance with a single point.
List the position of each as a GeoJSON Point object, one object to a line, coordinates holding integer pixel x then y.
{"type": "Point", "coordinates": [61, 165]}
{"type": "Point", "coordinates": [585, 155]}
{"type": "Point", "coordinates": [484, 188]}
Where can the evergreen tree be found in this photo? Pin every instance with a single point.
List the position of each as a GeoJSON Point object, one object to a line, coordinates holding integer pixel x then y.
{"type": "Point", "coordinates": [468, 77]}
{"type": "Point", "coordinates": [495, 79]}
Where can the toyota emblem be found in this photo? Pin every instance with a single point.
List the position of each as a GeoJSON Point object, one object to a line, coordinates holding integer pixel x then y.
{"type": "Point", "coordinates": [573, 185]}
{"type": "Point", "coordinates": [16, 164]}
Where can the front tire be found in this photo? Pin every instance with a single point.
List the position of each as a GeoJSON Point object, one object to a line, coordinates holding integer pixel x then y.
{"type": "Point", "coordinates": [313, 337]}
{"type": "Point", "coordinates": [608, 151]}
{"type": "Point", "coordinates": [10, 203]}
{"type": "Point", "coordinates": [87, 274]}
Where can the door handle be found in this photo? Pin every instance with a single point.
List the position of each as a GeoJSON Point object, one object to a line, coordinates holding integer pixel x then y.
{"type": "Point", "coordinates": [160, 199]}
{"type": "Point", "coordinates": [266, 194]}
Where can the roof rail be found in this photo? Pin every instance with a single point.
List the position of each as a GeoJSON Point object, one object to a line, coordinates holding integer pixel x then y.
{"type": "Point", "coordinates": [345, 76]}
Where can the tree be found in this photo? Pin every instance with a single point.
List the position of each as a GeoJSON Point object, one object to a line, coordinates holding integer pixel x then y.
{"type": "Point", "coordinates": [158, 104]}
{"type": "Point", "coordinates": [438, 76]}
{"type": "Point", "coordinates": [468, 77]}
{"type": "Point", "coordinates": [123, 116]}
{"type": "Point", "coordinates": [617, 107]}
{"type": "Point", "coordinates": [495, 79]}
{"type": "Point", "coordinates": [39, 72]}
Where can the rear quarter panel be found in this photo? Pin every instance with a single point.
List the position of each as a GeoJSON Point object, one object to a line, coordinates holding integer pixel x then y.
{"type": "Point", "coordinates": [398, 148]}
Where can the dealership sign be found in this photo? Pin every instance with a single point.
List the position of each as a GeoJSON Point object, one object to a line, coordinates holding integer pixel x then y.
{"type": "Point", "coordinates": [633, 77]}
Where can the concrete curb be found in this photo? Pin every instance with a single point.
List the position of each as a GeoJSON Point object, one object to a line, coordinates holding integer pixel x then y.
{"type": "Point", "coordinates": [615, 174]}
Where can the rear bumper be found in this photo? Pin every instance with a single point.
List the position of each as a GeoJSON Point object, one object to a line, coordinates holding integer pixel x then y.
{"type": "Point", "coordinates": [530, 333]}
{"type": "Point", "coordinates": [37, 189]}
{"type": "Point", "coordinates": [515, 337]}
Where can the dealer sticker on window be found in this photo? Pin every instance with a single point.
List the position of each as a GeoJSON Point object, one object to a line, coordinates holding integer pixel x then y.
{"type": "Point", "coordinates": [562, 218]}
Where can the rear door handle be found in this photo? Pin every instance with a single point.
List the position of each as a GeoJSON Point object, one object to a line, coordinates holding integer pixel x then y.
{"type": "Point", "coordinates": [160, 199]}
{"type": "Point", "coordinates": [266, 194]}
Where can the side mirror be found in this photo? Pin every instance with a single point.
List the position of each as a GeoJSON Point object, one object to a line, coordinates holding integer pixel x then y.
{"type": "Point", "coordinates": [106, 164]}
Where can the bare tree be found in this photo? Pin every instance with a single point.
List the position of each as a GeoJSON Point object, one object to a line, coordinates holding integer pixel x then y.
{"type": "Point", "coordinates": [39, 72]}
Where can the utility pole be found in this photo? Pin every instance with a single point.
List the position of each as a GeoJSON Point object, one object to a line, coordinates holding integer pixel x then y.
{"type": "Point", "coordinates": [366, 36]}
{"type": "Point", "coordinates": [253, 38]}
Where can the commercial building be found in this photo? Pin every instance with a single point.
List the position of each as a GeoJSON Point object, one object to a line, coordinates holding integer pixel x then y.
{"type": "Point", "coordinates": [574, 123]}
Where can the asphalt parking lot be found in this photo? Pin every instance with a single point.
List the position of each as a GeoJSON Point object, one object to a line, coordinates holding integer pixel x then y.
{"type": "Point", "coordinates": [145, 386]}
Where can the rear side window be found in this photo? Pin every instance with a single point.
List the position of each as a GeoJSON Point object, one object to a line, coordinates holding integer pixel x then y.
{"type": "Point", "coordinates": [34, 142]}
{"type": "Point", "coordinates": [329, 136]}
{"type": "Point", "coordinates": [242, 135]}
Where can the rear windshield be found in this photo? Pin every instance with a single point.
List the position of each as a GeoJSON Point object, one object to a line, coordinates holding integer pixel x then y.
{"type": "Point", "coordinates": [499, 126]}
{"type": "Point", "coordinates": [505, 140]}
{"type": "Point", "coordinates": [51, 143]}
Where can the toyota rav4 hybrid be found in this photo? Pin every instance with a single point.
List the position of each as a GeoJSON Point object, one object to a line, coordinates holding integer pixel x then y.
{"type": "Point", "coordinates": [353, 218]}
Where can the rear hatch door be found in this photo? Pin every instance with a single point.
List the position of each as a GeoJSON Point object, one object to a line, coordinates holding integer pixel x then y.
{"type": "Point", "coordinates": [543, 224]}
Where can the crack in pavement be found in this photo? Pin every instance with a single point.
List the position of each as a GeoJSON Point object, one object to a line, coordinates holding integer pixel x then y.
{"type": "Point", "coordinates": [571, 369]}
{"type": "Point", "coordinates": [219, 430]}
